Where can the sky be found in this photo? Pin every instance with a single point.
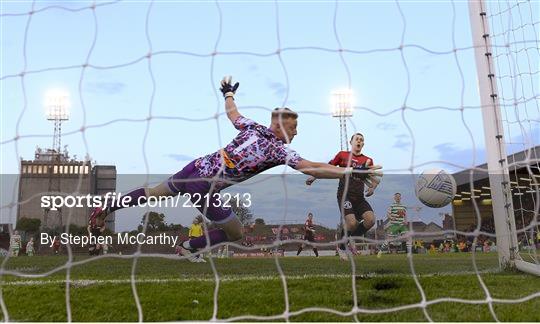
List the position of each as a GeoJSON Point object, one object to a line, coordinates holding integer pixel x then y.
{"type": "Point", "coordinates": [143, 80]}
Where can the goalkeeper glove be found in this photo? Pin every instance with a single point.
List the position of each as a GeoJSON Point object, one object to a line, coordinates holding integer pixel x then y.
{"type": "Point", "coordinates": [359, 172]}
{"type": "Point", "coordinates": [227, 88]}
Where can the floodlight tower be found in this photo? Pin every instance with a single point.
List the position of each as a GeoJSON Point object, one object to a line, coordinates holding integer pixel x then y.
{"type": "Point", "coordinates": [342, 108]}
{"type": "Point", "coordinates": [57, 110]}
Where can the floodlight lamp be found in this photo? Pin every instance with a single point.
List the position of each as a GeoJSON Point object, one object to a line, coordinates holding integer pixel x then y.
{"type": "Point", "coordinates": [57, 104]}
{"type": "Point", "coordinates": [342, 103]}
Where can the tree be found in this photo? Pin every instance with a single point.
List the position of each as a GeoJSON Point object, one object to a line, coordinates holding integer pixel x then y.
{"type": "Point", "coordinates": [175, 227]}
{"type": "Point", "coordinates": [244, 214]}
{"type": "Point", "coordinates": [259, 221]}
{"type": "Point", "coordinates": [30, 225]}
{"type": "Point", "coordinates": [155, 221]}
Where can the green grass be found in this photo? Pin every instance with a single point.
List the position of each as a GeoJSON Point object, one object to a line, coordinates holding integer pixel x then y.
{"type": "Point", "coordinates": [178, 290]}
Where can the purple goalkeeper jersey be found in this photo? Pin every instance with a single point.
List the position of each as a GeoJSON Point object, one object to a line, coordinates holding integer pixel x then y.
{"type": "Point", "coordinates": [255, 149]}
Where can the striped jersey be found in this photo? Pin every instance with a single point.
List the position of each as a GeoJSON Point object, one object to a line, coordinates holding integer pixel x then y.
{"type": "Point", "coordinates": [397, 213]}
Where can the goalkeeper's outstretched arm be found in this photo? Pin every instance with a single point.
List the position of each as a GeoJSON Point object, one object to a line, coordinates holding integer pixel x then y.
{"type": "Point", "coordinates": [228, 89]}
{"type": "Point", "coordinates": [370, 175]}
{"type": "Point", "coordinates": [231, 109]}
{"type": "Point", "coordinates": [322, 170]}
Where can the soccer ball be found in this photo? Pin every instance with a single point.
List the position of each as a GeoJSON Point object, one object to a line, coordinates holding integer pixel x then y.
{"type": "Point", "coordinates": [435, 188]}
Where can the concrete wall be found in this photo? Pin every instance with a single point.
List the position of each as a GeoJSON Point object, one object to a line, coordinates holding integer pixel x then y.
{"type": "Point", "coordinates": [39, 178]}
{"type": "Point", "coordinates": [103, 181]}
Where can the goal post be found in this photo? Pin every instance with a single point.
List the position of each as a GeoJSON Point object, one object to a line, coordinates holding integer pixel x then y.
{"type": "Point", "coordinates": [495, 142]}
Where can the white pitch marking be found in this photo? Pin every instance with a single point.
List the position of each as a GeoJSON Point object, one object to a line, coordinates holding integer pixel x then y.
{"type": "Point", "coordinates": [88, 282]}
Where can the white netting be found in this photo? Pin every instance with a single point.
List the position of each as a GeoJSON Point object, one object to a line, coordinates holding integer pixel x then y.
{"type": "Point", "coordinates": [514, 31]}
{"type": "Point", "coordinates": [405, 53]}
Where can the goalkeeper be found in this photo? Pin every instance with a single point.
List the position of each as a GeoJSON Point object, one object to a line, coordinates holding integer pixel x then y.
{"type": "Point", "coordinates": [255, 149]}
{"type": "Point", "coordinates": [356, 211]}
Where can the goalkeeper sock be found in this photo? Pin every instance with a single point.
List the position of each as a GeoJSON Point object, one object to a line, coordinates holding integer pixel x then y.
{"type": "Point", "coordinates": [216, 236]}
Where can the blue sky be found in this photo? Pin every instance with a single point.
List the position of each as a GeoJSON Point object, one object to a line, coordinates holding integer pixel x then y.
{"type": "Point", "coordinates": [283, 54]}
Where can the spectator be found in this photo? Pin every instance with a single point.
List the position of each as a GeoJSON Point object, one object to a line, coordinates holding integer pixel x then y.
{"type": "Point", "coordinates": [30, 247]}
{"type": "Point", "coordinates": [486, 246]}
{"type": "Point", "coordinates": [461, 246]}
{"type": "Point", "coordinates": [454, 247]}
{"type": "Point", "coordinates": [447, 247]}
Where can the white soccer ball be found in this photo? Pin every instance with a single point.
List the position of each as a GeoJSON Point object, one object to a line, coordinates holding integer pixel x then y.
{"type": "Point", "coordinates": [435, 188]}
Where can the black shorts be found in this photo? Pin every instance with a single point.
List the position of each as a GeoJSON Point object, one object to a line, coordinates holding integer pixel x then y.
{"type": "Point", "coordinates": [309, 236]}
{"type": "Point", "coordinates": [353, 205]}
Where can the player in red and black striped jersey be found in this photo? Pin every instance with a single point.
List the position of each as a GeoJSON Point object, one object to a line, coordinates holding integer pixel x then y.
{"type": "Point", "coordinates": [357, 213]}
{"type": "Point", "coordinates": [309, 234]}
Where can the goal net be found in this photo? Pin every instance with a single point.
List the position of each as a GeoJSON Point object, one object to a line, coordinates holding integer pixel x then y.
{"type": "Point", "coordinates": [507, 59]}
{"type": "Point", "coordinates": [450, 85]}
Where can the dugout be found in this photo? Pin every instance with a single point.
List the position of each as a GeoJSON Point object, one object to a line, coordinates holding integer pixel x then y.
{"type": "Point", "coordinates": [473, 185]}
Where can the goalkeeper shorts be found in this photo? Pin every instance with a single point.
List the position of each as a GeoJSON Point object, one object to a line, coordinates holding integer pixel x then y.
{"type": "Point", "coordinates": [189, 182]}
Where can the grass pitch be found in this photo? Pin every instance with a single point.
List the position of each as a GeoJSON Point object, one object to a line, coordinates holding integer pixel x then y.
{"type": "Point", "coordinates": [252, 289]}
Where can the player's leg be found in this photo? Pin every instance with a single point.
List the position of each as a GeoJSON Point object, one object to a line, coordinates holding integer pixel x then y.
{"type": "Point", "coordinates": [362, 218]}
{"type": "Point", "coordinates": [359, 216]}
{"type": "Point", "coordinates": [138, 196]}
{"type": "Point", "coordinates": [386, 245]}
{"type": "Point", "coordinates": [367, 217]}
{"type": "Point", "coordinates": [348, 222]}
{"type": "Point", "coordinates": [351, 222]}
{"type": "Point", "coordinates": [170, 188]}
{"type": "Point", "coordinates": [402, 232]}
{"type": "Point", "coordinates": [300, 248]}
{"type": "Point", "coordinates": [92, 249]}
{"type": "Point", "coordinates": [311, 238]}
{"type": "Point", "coordinates": [358, 226]}
{"type": "Point", "coordinates": [393, 238]}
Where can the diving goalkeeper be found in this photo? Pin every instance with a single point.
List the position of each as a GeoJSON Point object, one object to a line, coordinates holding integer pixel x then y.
{"type": "Point", "coordinates": [255, 149]}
